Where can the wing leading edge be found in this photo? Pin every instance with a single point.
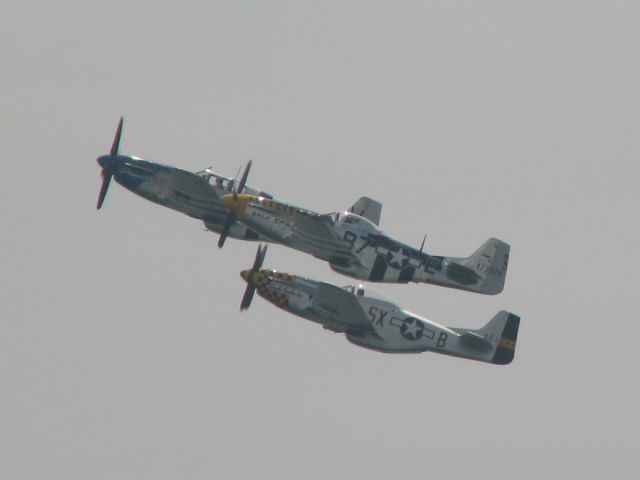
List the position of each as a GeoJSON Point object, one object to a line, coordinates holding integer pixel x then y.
{"type": "Point", "coordinates": [346, 312]}
{"type": "Point", "coordinates": [316, 232]}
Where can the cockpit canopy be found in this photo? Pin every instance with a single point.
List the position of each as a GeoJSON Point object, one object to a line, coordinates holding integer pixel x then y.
{"type": "Point", "coordinates": [353, 219]}
{"type": "Point", "coordinates": [226, 183]}
{"type": "Point", "coordinates": [214, 178]}
{"type": "Point", "coordinates": [361, 291]}
{"type": "Point", "coordinates": [220, 181]}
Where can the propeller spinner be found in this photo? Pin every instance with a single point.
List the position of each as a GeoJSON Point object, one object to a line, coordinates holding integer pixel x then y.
{"type": "Point", "coordinates": [231, 217]}
{"type": "Point", "coordinates": [107, 171]}
{"type": "Point", "coordinates": [247, 275]}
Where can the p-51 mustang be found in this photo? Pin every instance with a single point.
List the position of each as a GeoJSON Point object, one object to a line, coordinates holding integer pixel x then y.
{"type": "Point", "coordinates": [195, 194]}
{"type": "Point", "coordinates": [353, 245]}
{"type": "Point", "coordinates": [371, 321]}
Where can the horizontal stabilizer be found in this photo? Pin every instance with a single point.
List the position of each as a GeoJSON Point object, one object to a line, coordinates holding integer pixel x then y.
{"type": "Point", "coordinates": [493, 343]}
{"type": "Point", "coordinates": [476, 341]}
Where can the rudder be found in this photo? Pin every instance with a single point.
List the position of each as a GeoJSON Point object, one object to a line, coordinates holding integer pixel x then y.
{"type": "Point", "coordinates": [490, 261]}
{"type": "Point", "coordinates": [506, 348]}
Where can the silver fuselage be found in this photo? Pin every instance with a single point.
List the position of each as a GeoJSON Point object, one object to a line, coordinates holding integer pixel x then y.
{"type": "Point", "coordinates": [366, 252]}
{"type": "Point", "coordinates": [394, 330]}
{"type": "Point", "coordinates": [197, 195]}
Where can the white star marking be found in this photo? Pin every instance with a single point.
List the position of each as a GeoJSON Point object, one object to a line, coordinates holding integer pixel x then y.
{"type": "Point", "coordinates": [412, 328]}
{"type": "Point", "coordinates": [397, 257]}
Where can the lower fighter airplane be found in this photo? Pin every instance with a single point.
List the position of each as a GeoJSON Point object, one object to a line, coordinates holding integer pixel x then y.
{"type": "Point", "coordinates": [195, 194]}
{"type": "Point", "coordinates": [372, 321]}
{"type": "Point", "coordinates": [353, 245]}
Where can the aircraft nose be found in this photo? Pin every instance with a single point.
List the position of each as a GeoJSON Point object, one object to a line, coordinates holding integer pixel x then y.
{"type": "Point", "coordinates": [236, 203]}
{"type": "Point", "coordinates": [112, 162]}
{"type": "Point", "coordinates": [246, 275]}
{"type": "Point", "coordinates": [103, 161]}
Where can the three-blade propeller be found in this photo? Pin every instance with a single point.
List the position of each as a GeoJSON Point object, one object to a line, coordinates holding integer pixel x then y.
{"type": "Point", "coordinates": [231, 217]}
{"type": "Point", "coordinates": [107, 171]}
{"type": "Point", "coordinates": [248, 276]}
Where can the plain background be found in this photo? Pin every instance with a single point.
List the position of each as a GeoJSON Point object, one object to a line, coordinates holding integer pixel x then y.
{"type": "Point", "coordinates": [123, 354]}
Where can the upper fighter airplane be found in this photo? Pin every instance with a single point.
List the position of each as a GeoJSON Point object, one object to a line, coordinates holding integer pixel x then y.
{"type": "Point", "coordinates": [195, 194]}
{"type": "Point", "coordinates": [353, 245]}
{"type": "Point", "coordinates": [372, 321]}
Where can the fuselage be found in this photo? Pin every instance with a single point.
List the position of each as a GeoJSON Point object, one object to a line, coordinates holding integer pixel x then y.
{"type": "Point", "coordinates": [358, 248]}
{"type": "Point", "coordinates": [394, 329]}
{"type": "Point", "coordinates": [197, 195]}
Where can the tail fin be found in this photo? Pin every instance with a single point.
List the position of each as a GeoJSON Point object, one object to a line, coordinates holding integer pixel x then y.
{"type": "Point", "coordinates": [368, 208]}
{"type": "Point", "coordinates": [506, 347]}
{"type": "Point", "coordinates": [497, 338]}
{"type": "Point", "coordinates": [490, 262]}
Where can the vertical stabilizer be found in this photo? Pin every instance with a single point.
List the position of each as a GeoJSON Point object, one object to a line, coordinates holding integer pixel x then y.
{"type": "Point", "coordinates": [490, 262]}
{"type": "Point", "coordinates": [495, 342]}
{"type": "Point", "coordinates": [368, 208]}
{"type": "Point", "coordinates": [502, 331]}
{"type": "Point", "coordinates": [506, 348]}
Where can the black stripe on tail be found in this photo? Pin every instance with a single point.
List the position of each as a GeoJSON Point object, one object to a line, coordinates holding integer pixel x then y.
{"type": "Point", "coordinates": [506, 348]}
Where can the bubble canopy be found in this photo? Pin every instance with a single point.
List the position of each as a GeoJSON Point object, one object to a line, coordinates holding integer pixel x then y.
{"type": "Point", "coordinates": [362, 291]}
{"type": "Point", "coordinates": [353, 219]}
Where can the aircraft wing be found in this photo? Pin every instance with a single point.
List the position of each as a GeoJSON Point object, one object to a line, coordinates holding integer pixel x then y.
{"type": "Point", "coordinates": [317, 233]}
{"type": "Point", "coordinates": [188, 182]}
{"type": "Point", "coordinates": [345, 311]}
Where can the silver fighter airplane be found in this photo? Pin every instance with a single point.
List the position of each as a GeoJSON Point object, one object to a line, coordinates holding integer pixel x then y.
{"type": "Point", "coordinates": [195, 194]}
{"type": "Point", "coordinates": [372, 321]}
{"type": "Point", "coordinates": [353, 245]}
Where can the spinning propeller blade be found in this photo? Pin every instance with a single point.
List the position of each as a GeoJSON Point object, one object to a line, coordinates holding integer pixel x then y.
{"type": "Point", "coordinates": [107, 172]}
{"type": "Point", "coordinates": [248, 276]}
{"type": "Point", "coordinates": [106, 179]}
{"type": "Point", "coordinates": [231, 217]}
{"type": "Point", "coordinates": [243, 180]}
{"type": "Point", "coordinates": [116, 140]}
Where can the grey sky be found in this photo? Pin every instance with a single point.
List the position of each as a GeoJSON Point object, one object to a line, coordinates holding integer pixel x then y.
{"type": "Point", "coordinates": [122, 350]}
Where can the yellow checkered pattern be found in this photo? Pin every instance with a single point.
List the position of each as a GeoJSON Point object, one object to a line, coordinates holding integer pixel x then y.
{"type": "Point", "coordinates": [262, 282]}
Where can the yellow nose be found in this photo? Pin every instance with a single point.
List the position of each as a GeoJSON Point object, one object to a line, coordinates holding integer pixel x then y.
{"type": "Point", "coordinates": [237, 203]}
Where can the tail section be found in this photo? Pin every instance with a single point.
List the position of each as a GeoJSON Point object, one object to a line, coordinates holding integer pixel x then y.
{"type": "Point", "coordinates": [368, 208]}
{"type": "Point", "coordinates": [496, 341]}
{"type": "Point", "coordinates": [489, 263]}
{"type": "Point", "coordinates": [506, 348]}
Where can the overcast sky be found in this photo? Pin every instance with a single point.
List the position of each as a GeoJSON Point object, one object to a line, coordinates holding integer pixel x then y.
{"type": "Point", "coordinates": [123, 354]}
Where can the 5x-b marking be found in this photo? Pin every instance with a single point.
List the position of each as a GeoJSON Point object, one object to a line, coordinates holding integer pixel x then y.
{"type": "Point", "coordinates": [377, 315]}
